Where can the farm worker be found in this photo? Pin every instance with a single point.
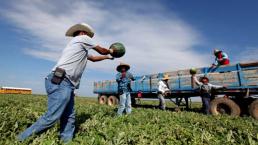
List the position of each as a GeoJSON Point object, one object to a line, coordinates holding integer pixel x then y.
{"type": "Point", "coordinates": [64, 79]}
{"type": "Point", "coordinates": [163, 91]}
{"type": "Point", "coordinates": [124, 78]}
{"type": "Point", "coordinates": [205, 91]}
{"type": "Point", "coordinates": [221, 58]}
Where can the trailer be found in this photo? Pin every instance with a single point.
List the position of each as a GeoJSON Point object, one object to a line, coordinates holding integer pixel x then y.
{"type": "Point", "coordinates": [15, 90]}
{"type": "Point", "coordinates": [240, 97]}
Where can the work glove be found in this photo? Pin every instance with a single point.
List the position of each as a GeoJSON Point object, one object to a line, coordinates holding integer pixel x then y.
{"type": "Point", "coordinates": [167, 93]}
{"type": "Point", "coordinates": [213, 65]}
{"type": "Point", "coordinates": [111, 51]}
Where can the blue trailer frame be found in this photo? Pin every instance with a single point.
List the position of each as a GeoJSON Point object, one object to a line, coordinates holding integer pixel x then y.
{"type": "Point", "coordinates": [240, 89]}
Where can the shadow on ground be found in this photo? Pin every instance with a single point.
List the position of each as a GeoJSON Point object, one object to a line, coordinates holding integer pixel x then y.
{"type": "Point", "coordinates": [80, 119]}
{"type": "Point", "coordinates": [197, 110]}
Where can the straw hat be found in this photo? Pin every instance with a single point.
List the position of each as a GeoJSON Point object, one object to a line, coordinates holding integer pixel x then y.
{"type": "Point", "coordinates": [121, 65]}
{"type": "Point", "coordinates": [165, 77]}
{"type": "Point", "coordinates": [80, 27]}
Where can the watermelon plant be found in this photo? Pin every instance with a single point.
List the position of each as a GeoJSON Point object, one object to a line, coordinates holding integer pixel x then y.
{"type": "Point", "coordinates": [98, 124]}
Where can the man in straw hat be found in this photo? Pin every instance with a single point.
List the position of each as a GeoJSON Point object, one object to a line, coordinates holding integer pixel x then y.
{"type": "Point", "coordinates": [64, 79]}
{"type": "Point", "coordinates": [124, 78]}
{"type": "Point", "coordinates": [163, 91]}
{"type": "Point", "coordinates": [205, 91]}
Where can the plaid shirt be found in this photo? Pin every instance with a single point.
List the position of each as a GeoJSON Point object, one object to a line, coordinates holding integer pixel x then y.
{"type": "Point", "coordinates": [124, 84]}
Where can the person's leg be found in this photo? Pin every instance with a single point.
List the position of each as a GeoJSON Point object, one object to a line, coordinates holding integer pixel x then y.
{"type": "Point", "coordinates": [121, 107]}
{"type": "Point", "coordinates": [162, 102]}
{"type": "Point", "coordinates": [159, 100]}
{"type": "Point", "coordinates": [128, 103]}
{"type": "Point", "coordinates": [206, 103]}
{"type": "Point", "coordinates": [203, 104]}
{"type": "Point", "coordinates": [58, 97]}
{"type": "Point", "coordinates": [67, 121]}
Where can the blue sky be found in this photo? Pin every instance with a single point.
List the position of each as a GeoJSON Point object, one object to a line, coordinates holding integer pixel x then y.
{"type": "Point", "coordinates": [159, 36]}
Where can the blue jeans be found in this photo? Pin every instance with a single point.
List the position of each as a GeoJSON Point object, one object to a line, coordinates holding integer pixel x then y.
{"type": "Point", "coordinates": [162, 102]}
{"type": "Point", "coordinates": [60, 107]}
{"type": "Point", "coordinates": [125, 104]}
{"type": "Point", "coordinates": [206, 99]}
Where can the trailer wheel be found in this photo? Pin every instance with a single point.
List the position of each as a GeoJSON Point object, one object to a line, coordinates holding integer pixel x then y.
{"type": "Point", "coordinates": [112, 101]}
{"type": "Point", "coordinates": [133, 101]}
{"type": "Point", "coordinates": [253, 109]}
{"type": "Point", "coordinates": [224, 106]}
{"type": "Point", "coordinates": [103, 99]}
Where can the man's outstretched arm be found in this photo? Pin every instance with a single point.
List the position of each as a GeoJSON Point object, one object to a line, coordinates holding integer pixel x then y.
{"type": "Point", "coordinates": [197, 81]}
{"type": "Point", "coordinates": [102, 50]}
{"type": "Point", "coordinates": [99, 58]}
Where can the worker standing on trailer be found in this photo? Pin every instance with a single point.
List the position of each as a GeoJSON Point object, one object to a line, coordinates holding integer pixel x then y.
{"type": "Point", "coordinates": [205, 91]}
{"type": "Point", "coordinates": [64, 79]}
{"type": "Point", "coordinates": [124, 78]}
{"type": "Point", "coordinates": [221, 58]}
{"type": "Point", "coordinates": [163, 91]}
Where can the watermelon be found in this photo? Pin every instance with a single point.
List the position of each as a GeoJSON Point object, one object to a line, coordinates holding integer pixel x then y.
{"type": "Point", "coordinates": [118, 49]}
{"type": "Point", "coordinates": [193, 71]}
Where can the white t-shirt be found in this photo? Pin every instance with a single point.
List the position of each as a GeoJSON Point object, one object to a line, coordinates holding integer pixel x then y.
{"type": "Point", "coordinates": [74, 58]}
{"type": "Point", "coordinates": [162, 87]}
{"type": "Point", "coordinates": [208, 87]}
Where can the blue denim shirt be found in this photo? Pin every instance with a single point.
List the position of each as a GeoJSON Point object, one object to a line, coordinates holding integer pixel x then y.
{"type": "Point", "coordinates": [124, 83]}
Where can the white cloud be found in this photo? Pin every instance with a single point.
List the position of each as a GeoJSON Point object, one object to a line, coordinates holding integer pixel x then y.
{"type": "Point", "coordinates": [43, 54]}
{"type": "Point", "coordinates": [156, 39]}
{"type": "Point", "coordinates": [153, 40]}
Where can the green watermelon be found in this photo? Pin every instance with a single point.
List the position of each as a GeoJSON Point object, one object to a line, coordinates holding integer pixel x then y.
{"type": "Point", "coordinates": [193, 71]}
{"type": "Point", "coordinates": [118, 49]}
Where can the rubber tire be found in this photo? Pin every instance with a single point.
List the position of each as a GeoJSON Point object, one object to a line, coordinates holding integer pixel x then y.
{"type": "Point", "coordinates": [234, 108]}
{"type": "Point", "coordinates": [112, 100]}
{"type": "Point", "coordinates": [133, 101]}
{"type": "Point", "coordinates": [253, 109]}
{"type": "Point", "coordinates": [102, 99]}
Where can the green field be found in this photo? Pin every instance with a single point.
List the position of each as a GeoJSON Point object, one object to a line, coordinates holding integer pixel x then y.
{"type": "Point", "coordinates": [98, 124]}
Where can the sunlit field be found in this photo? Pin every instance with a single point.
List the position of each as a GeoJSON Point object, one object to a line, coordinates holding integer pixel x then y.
{"type": "Point", "coordinates": [98, 124]}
